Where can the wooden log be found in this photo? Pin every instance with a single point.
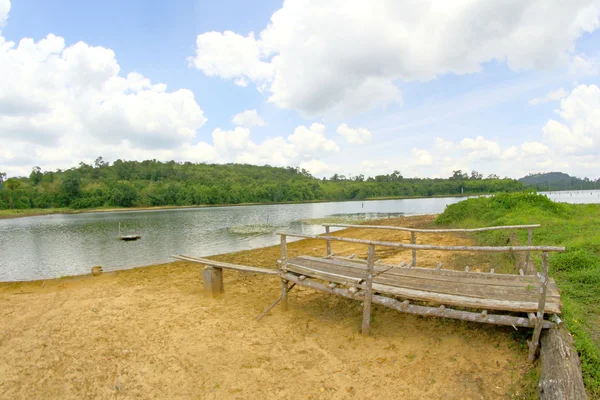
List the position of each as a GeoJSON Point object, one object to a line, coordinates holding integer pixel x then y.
{"type": "Point", "coordinates": [438, 267]}
{"type": "Point", "coordinates": [492, 271]}
{"type": "Point", "coordinates": [413, 240]}
{"type": "Point", "coordinates": [467, 268]}
{"type": "Point", "coordinates": [533, 345]}
{"type": "Point", "coordinates": [224, 265]}
{"type": "Point", "coordinates": [302, 277]}
{"type": "Point", "coordinates": [212, 281]}
{"type": "Point", "coordinates": [273, 304]}
{"type": "Point", "coordinates": [399, 228]}
{"type": "Point", "coordinates": [328, 241]}
{"type": "Point", "coordinates": [366, 322]}
{"type": "Point", "coordinates": [284, 261]}
{"type": "Point", "coordinates": [521, 272]}
{"type": "Point", "coordinates": [493, 249]}
{"type": "Point", "coordinates": [484, 314]}
{"type": "Point", "coordinates": [532, 318]}
{"type": "Point", "coordinates": [529, 242]}
{"type": "Point", "coordinates": [332, 285]}
{"type": "Point", "coordinates": [561, 376]}
{"type": "Point", "coordinates": [496, 319]}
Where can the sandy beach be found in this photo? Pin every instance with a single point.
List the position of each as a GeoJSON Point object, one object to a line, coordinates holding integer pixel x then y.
{"type": "Point", "coordinates": [151, 333]}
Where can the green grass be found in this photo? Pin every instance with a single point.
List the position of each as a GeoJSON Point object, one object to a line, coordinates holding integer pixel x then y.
{"type": "Point", "coordinates": [576, 271]}
{"type": "Point", "coordinates": [33, 211]}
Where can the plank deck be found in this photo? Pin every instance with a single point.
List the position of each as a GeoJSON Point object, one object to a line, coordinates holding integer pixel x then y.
{"type": "Point", "coordinates": [457, 288]}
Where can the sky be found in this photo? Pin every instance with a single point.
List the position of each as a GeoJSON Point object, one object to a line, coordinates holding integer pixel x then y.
{"type": "Point", "coordinates": [505, 87]}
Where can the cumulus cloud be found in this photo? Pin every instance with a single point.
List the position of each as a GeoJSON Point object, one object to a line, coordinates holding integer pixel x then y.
{"type": "Point", "coordinates": [316, 167]}
{"type": "Point", "coordinates": [67, 103]}
{"type": "Point", "coordinates": [552, 95]}
{"type": "Point", "coordinates": [422, 157]}
{"type": "Point", "coordinates": [248, 119]}
{"type": "Point", "coordinates": [534, 148]}
{"type": "Point", "coordinates": [354, 136]}
{"type": "Point", "coordinates": [303, 60]}
{"type": "Point", "coordinates": [480, 148]}
{"type": "Point", "coordinates": [579, 133]}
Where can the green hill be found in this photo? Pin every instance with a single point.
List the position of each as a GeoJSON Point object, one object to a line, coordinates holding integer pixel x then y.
{"type": "Point", "coordinates": [558, 181]}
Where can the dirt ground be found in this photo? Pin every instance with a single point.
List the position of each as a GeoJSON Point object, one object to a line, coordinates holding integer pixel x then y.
{"type": "Point", "coordinates": [151, 333]}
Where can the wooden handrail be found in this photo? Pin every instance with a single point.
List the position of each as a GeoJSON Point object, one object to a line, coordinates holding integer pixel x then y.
{"type": "Point", "coordinates": [501, 249]}
{"type": "Point", "coordinates": [400, 228]}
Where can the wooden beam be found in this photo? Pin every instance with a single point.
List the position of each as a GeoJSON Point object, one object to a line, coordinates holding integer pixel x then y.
{"type": "Point", "coordinates": [273, 304]}
{"type": "Point", "coordinates": [366, 322]}
{"type": "Point", "coordinates": [529, 242]}
{"type": "Point", "coordinates": [413, 240]}
{"type": "Point", "coordinates": [220, 264]}
{"type": "Point", "coordinates": [284, 286]}
{"type": "Point", "coordinates": [533, 345]}
{"type": "Point", "coordinates": [496, 249]}
{"type": "Point", "coordinates": [496, 319]}
{"type": "Point", "coordinates": [399, 228]}
{"type": "Point", "coordinates": [327, 233]}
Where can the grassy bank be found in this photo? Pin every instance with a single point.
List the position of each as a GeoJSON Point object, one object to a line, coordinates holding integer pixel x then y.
{"type": "Point", "coordinates": [577, 271]}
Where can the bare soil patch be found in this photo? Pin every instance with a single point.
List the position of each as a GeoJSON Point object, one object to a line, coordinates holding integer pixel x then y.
{"type": "Point", "coordinates": [151, 333]}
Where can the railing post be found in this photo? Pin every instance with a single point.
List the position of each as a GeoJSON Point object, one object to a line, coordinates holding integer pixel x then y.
{"type": "Point", "coordinates": [533, 345]}
{"type": "Point", "coordinates": [366, 322]}
{"type": "Point", "coordinates": [284, 287]}
{"type": "Point", "coordinates": [413, 240]}
{"type": "Point", "coordinates": [328, 241]}
{"type": "Point", "coordinates": [529, 241]}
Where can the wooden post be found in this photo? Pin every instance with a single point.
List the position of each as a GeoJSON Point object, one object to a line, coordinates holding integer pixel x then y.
{"type": "Point", "coordinates": [284, 287]}
{"type": "Point", "coordinates": [212, 279]}
{"type": "Point", "coordinates": [366, 322]}
{"type": "Point", "coordinates": [328, 241]}
{"type": "Point", "coordinates": [413, 240]}
{"type": "Point", "coordinates": [533, 345]}
{"type": "Point", "coordinates": [528, 254]}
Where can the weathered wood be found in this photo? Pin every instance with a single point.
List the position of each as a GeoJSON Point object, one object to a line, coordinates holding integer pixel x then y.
{"type": "Point", "coordinates": [273, 304]}
{"type": "Point", "coordinates": [529, 242]}
{"type": "Point", "coordinates": [220, 264]}
{"type": "Point", "coordinates": [492, 271]}
{"type": "Point", "coordinates": [413, 240]}
{"type": "Point", "coordinates": [532, 318]}
{"type": "Point", "coordinates": [506, 320]}
{"type": "Point", "coordinates": [467, 268]}
{"type": "Point", "coordinates": [561, 368]}
{"type": "Point", "coordinates": [327, 233]}
{"type": "Point", "coordinates": [283, 265]}
{"type": "Point", "coordinates": [366, 322]}
{"type": "Point", "coordinates": [484, 314]}
{"type": "Point", "coordinates": [399, 228]}
{"type": "Point", "coordinates": [212, 281]}
{"type": "Point", "coordinates": [533, 345]}
{"type": "Point", "coordinates": [496, 249]}
{"type": "Point", "coordinates": [438, 267]}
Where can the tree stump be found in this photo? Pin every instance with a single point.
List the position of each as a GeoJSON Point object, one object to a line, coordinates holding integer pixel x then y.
{"type": "Point", "coordinates": [561, 376]}
{"type": "Point", "coordinates": [212, 279]}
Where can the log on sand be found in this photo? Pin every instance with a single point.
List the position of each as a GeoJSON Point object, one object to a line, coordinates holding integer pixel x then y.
{"type": "Point", "coordinates": [561, 369]}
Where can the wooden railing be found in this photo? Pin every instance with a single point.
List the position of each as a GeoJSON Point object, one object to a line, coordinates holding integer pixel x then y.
{"type": "Point", "coordinates": [368, 281]}
{"type": "Point", "coordinates": [414, 231]}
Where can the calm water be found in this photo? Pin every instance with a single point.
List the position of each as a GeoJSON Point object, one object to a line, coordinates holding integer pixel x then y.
{"type": "Point", "coordinates": [58, 245]}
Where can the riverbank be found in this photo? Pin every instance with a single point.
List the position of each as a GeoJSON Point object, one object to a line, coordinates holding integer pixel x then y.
{"type": "Point", "coordinates": [150, 333]}
{"type": "Point", "coordinates": [32, 212]}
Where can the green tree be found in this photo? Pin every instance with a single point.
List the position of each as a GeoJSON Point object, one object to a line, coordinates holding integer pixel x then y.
{"type": "Point", "coordinates": [36, 175]}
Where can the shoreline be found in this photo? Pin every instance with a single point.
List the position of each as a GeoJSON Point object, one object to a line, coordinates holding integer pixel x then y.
{"type": "Point", "coordinates": [36, 212]}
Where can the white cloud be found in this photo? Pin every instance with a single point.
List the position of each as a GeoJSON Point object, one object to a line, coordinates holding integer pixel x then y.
{"type": "Point", "coordinates": [443, 145]}
{"type": "Point", "coordinates": [481, 148]}
{"type": "Point", "coordinates": [354, 136]}
{"type": "Point", "coordinates": [231, 142]}
{"type": "Point", "coordinates": [552, 95]}
{"type": "Point", "coordinates": [422, 157]}
{"type": "Point", "coordinates": [316, 167]}
{"type": "Point", "coordinates": [510, 153]}
{"type": "Point", "coordinates": [580, 131]}
{"type": "Point", "coordinates": [533, 148]}
{"type": "Point", "coordinates": [302, 58]}
{"type": "Point", "coordinates": [248, 119]}
{"type": "Point", "coordinates": [582, 66]}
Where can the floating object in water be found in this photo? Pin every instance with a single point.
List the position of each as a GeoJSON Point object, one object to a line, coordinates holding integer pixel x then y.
{"type": "Point", "coordinates": [97, 270]}
{"type": "Point", "coordinates": [128, 238]}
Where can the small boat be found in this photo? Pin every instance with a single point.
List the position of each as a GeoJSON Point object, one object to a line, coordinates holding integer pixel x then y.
{"type": "Point", "coordinates": [128, 238]}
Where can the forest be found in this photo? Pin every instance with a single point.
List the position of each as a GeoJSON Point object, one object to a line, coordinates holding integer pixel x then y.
{"type": "Point", "coordinates": [154, 183]}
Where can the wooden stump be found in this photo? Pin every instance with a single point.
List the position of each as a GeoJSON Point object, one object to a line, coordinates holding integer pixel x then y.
{"type": "Point", "coordinates": [561, 369]}
{"type": "Point", "coordinates": [212, 279]}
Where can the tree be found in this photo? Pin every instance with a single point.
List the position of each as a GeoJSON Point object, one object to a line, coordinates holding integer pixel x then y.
{"type": "Point", "coordinates": [2, 177]}
{"type": "Point", "coordinates": [36, 175]}
{"type": "Point", "coordinates": [12, 184]}
{"type": "Point", "coordinates": [70, 187]}
{"type": "Point", "coordinates": [476, 175]}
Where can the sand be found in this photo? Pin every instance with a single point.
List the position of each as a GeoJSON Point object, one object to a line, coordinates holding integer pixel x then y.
{"type": "Point", "coordinates": [151, 333]}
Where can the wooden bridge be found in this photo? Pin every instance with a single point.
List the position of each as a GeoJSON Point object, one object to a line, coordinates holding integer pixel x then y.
{"type": "Point", "coordinates": [502, 299]}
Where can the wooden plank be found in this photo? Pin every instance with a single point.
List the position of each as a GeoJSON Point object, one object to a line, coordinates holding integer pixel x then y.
{"type": "Point", "coordinates": [542, 305]}
{"type": "Point", "coordinates": [421, 310]}
{"type": "Point", "coordinates": [400, 228]}
{"type": "Point", "coordinates": [494, 249]}
{"type": "Point", "coordinates": [368, 296]}
{"type": "Point", "coordinates": [220, 264]}
{"type": "Point", "coordinates": [463, 301]}
{"type": "Point", "coordinates": [284, 264]}
{"type": "Point", "coordinates": [326, 276]}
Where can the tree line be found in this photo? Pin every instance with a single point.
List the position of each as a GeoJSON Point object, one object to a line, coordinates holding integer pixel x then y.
{"type": "Point", "coordinates": [155, 183]}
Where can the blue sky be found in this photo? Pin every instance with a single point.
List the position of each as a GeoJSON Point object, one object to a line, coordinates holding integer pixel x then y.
{"type": "Point", "coordinates": [333, 87]}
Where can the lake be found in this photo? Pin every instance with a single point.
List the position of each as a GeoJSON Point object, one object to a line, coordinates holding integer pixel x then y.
{"type": "Point", "coordinates": [52, 246]}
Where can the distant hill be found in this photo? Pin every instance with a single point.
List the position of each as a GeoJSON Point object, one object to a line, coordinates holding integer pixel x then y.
{"type": "Point", "coordinates": [558, 181]}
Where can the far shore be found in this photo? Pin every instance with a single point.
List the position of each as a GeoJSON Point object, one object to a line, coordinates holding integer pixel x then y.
{"type": "Point", "coordinates": [34, 212]}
